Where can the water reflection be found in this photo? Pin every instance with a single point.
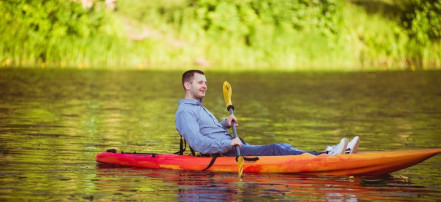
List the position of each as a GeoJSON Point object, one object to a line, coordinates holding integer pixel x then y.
{"type": "Point", "coordinates": [203, 186]}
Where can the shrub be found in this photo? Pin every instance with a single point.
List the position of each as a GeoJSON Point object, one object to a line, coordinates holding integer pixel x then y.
{"type": "Point", "coordinates": [31, 29]}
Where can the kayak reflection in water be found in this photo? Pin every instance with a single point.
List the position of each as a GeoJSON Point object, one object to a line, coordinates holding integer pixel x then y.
{"type": "Point", "coordinates": [205, 134]}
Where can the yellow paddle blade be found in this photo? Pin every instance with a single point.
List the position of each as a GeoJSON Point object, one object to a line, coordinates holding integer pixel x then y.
{"type": "Point", "coordinates": [240, 161]}
{"type": "Point", "coordinates": [227, 93]}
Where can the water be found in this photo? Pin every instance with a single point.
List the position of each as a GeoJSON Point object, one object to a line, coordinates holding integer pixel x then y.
{"type": "Point", "coordinates": [54, 122]}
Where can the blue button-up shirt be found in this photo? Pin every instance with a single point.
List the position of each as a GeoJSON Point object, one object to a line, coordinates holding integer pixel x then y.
{"type": "Point", "coordinates": [201, 129]}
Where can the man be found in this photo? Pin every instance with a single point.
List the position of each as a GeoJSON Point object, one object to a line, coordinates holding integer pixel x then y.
{"type": "Point", "coordinates": [205, 134]}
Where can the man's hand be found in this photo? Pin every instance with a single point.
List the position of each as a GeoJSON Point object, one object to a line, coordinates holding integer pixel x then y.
{"type": "Point", "coordinates": [236, 142]}
{"type": "Point", "coordinates": [230, 120]}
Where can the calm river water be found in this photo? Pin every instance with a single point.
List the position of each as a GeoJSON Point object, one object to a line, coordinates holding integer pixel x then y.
{"type": "Point", "coordinates": [54, 122]}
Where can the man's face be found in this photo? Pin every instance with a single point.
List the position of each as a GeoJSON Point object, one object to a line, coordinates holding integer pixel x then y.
{"type": "Point", "coordinates": [198, 87]}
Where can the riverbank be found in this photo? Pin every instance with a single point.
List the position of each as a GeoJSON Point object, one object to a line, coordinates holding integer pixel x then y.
{"type": "Point", "coordinates": [265, 35]}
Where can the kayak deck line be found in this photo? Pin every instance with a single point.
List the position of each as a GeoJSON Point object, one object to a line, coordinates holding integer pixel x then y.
{"type": "Point", "coordinates": [362, 163]}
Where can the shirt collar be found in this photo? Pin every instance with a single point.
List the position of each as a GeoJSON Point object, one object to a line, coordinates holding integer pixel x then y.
{"type": "Point", "coordinates": [190, 101]}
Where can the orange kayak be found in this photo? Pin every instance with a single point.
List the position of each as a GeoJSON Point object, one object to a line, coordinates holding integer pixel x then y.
{"type": "Point", "coordinates": [362, 163]}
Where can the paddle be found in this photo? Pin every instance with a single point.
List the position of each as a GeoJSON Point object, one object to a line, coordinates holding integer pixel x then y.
{"type": "Point", "coordinates": [227, 96]}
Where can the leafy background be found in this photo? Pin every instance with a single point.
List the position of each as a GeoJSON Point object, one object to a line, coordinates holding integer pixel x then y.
{"type": "Point", "coordinates": [223, 34]}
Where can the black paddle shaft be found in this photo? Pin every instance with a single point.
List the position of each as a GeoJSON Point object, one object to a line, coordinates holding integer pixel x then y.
{"type": "Point", "coordinates": [231, 108]}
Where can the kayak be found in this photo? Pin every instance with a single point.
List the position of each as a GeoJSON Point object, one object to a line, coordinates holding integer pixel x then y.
{"type": "Point", "coordinates": [362, 163]}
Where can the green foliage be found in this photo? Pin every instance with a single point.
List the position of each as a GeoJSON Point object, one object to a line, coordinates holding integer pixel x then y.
{"type": "Point", "coordinates": [422, 19]}
{"type": "Point", "coordinates": [398, 33]}
{"type": "Point", "coordinates": [241, 18]}
{"type": "Point", "coordinates": [282, 34]}
{"type": "Point", "coordinates": [55, 18]}
{"type": "Point", "coordinates": [34, 29]}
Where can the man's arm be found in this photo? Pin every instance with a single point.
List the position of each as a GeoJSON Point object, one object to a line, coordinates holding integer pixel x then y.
{"type": "Point", "coordinates": [188, 127]}
{"type": "Point", "coordinates": [228, 122]}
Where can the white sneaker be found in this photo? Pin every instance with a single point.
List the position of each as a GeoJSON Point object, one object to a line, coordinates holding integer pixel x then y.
{"type": "Point", "coordinates": [353, 145]}
{"type": "Point", "coordinates": [338, 148]}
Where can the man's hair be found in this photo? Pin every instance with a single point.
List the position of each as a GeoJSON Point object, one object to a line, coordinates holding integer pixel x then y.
{"type": "Point", "coordinates": [189, 75]}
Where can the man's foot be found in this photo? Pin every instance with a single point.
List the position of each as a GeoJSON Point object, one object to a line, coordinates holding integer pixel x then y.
{"type": "Point", "coordinates": [338, 148]}
{"type": "Point", "coordinates": [353, 145]}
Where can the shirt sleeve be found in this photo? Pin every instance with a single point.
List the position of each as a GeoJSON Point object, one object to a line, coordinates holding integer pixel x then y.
{"type": "Point", "coordinates": [188, 127]}
{"type": "Point", "coordinates": [224, 123]}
